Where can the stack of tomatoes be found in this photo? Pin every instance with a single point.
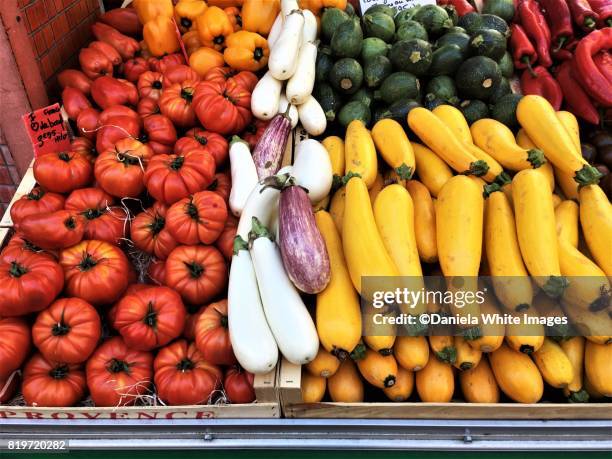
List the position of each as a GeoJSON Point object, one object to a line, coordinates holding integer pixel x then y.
{"type": "Point", "coordinates": [114, 282]}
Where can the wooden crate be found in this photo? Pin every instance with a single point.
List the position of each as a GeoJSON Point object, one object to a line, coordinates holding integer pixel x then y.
{"type": "Point", "coordinates": [291, 401]}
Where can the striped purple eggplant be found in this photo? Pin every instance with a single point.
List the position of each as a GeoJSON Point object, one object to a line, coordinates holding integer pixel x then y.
{"type": "Point", "coordinates": [269, 150]}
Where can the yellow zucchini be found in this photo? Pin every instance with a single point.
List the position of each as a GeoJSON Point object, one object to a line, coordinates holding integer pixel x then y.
{"type": "Point", "coordinates": [518, 377]}
{"type": "Point", "coordinates": [402, 389]}
{"type": "Point", "coordinates": [322, 204]}
{"type": "Point", "coordinates": [382, 344]}
{"type": "Point", "coordinates": [346, 386]}
{"type": "Point", "coordinates": [360, 153]}
{"type": "Point", "coordinates": [432, 169]}
{"type": "Point", "coordinates": [594, 394]}
{"type": "Point", "coordinates": [424, 221]}
{"type": "Point", "coordinates": [338, 312]}
{"type": "Point", "coordinates": [538, 118]}
{"type": "Point", "coordinates": [556, 200]}
{"type": "Point", "coordinates": [391, 177]}
{"type": "Point", "coordinates": [598, 367]}
{"type": "Point", "coordinates": [525, 337]}
{"type": "Point", "coordinates": [392, 143]}
{"type": "Point", "coordinates": [313, 387]}
{"type": "Point", "coordinates": [567, 215]}
{"type": "Point", "coordinates": [536, 229]}
{"type": "Point", "coordinates": [363, 247]}
{"type": "Point", "coordinates": [570, 123]}
{"type": "Point", "coordinates": [436, 382]}
{"type": "Point", "coordinates": [594, 326]}
{"type": "Point", "coordinates": [566, 183]}
{"type": "Point", "coordinates": [456, 122]}
{"type": "Point", "coordinates": [379, 184]}
{"type": "Point", "coordinates": [596, 222]}
{"type": "Point", "coordinates": [555, 367]}
{"type": "Point", "coordinates": [496, 171]}
{"type": "Point", "coordinates": [523, 140]}
{"type": "Point", "coordinates": [411, 352]}
{"type": "Point", "coordinates": [478, 384]}
{"type": "Point", "coordinates": [492, 334]}
{"type": "Point", "coordinates": [380, 371]}
{"type": "Point", "coordinates": [324, 364]}
{"type": "Point", "coordinates": [467, 356]}
{"type": "Point", "coordinates": [434, 133]}
{"type": "Point", "coordinates": [443, 347]}
{"type": "Point", "coordinates": [335, 149]}
{"type": "Point", "coordinates": [509, 277]}
{"type": "Point", "coordinates": [336, 207]}
{"type": "Point", "coordinates": [497, 139]}
{"type": "Point", "coordinates": [574, 350]}
{"type": "Point", "coordinates": [545, 306]}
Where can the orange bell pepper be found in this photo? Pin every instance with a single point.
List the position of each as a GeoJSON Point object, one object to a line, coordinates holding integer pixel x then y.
{"type": "Point", "coordinates": [204, 59]}
{"type": "Point", "coordinates": [234, 16]}
{"type": "Point", "coordinates": [225, 3]}
{"type": "Point", "coordinates": [246, 51]}
{"type": "Point", "coordinates": [160, 36]}
{"type": "Point", "coordinates": [186, 12]}
{"type": "Point", "coordinates": [148, 10]}
{"type": "Point", "coordinates": [259, 15]}
{"type": "Point", "coordinates": [317, 5]}
{"type": "Point", "coordinates": [214, 27]}
{"type": "Point", "coordinates": [192, 42]}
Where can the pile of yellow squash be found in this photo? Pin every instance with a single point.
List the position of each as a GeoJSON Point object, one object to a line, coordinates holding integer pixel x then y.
{"type": "Point", "coordinates": [466, 201]}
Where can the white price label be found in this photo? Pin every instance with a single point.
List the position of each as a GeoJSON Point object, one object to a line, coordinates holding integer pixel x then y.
{"type": "Point", "coordinates": [398, 4]}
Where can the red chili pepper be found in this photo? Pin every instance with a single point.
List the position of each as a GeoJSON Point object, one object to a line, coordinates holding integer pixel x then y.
{"type": "Point", "coordinates": [523, 52]}
{"type": "Point", "coordinates": [586, 71]}
{"type": "Point", "coordinates": [559, 20]}
{"type": "Point", "coordinates": [603, 61]}
{"type": "Point", "coordinates": [583, 15]}
{"type": "Point", "coordinates": [536, 28]}
{"type": "Point", "coordinates": [463, 7]}
{"type": "Point", "coordinates": [604, 9]}
{"type": "Point", "coordinates": [576, 99]}
{"type": "Point", "coordinates": [542, 84]}
{"type": "Point", "coordinates": [566, 53]}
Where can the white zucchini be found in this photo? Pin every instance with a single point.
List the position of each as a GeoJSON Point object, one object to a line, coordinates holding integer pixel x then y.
{"type": "Point", "coordinates": [275, 30]}
{"type": "Point", "coordinates": [252, 341]}
{"type": "Point", "coordinates": [309, 34]}
{"type": "Point", "coordinates": [266, 97]}
{"type": "Point", "coordinates": [286, 314]}
{"type": "Point", "coordinates": [287, 6]}
{"type": "Point", "coordinates": [284, 54]}
{"type": "Point", "coordinates": [293, 111]}
{"type": "Point", "coordinates": [300, 85]}
{"type": "Point", "coordinates": [244, 175]}
{"type": "Point", "coordinates": [312, 169]}
{"type": "Point", "coordinates": [312, 116]}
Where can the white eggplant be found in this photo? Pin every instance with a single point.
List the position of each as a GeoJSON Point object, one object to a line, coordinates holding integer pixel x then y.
{"type": "Point", "coordinates": [244, 174]}
{"type": "Point", "coordinates": [312, 116]}
{"type": "Point", "coordinates": [312, 169]}
{"type": "Point", "coordinates": [287, 6]}
{"type": "Point", "coordinates": [266, 97]}
{"type": "Point", "coordinates": [300, 85]}
{"type": "Point", "coordinates": [284, 54]}
{"type": "Point", "coordinates": [275, 30]}
{"type": "Point", "coordinates": [309, 34]}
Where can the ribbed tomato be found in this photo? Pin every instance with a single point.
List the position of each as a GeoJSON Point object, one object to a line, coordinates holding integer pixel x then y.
{"type": "Point", "coordinates": [133, 68]}
{"type": "Point", "coordinates": [225, 242]}
{"type": "Point", "coordinates": [212, 335]}
{"type": "Point", "coordinates": [212, 142]}
{"type": "Point", "coordinates": [150, 233]}
{"type": "Point", "coordinates": [85, 147]}
{"type": "Point", "coordinates": [159, 134]}
{"type": "Point", "coordinates": [183, 376]}
{"type": "Point", "coordinates": [238, 385]}
{"type": "Point", "coordinates": [95, 271]}
{"type": "Point", "coordinates": [53, 231]}
{"type": "Point", "coordinates": [116, 128]}
{"type": "Point", "coordinates": [19, 245]}
{"type": "Point", "coordinates": [223, 107]}
{"type": "Point", "coordinates": [157, 272]}
{"type": "Point", "coordinates": [148, 107]}
{"type": "Point", "coordinates": [67, 331]}
{"type": "Point", "coordinates": [87, 122]}
{"type": "Point", "coordinates": [133, 288]}
{"type": "Point", "coordinates": [150, 84]}
{"type": "Point", "coordinates": [62, 172]}
{"type": "Point", "coordinates": [120, 171]}
{"type": "Point", "coordinates": [37, 201]}
{"type": "Point", "coordinates": [198, 273]}
{"type": "Point", "coordinates": [176, 103]}
{"type": "Point", "coordinates": [102, 221]}
{"type": "Point", "coordinates": [222, 74]}
{"type": "Point", "coordinates": [178, 74]}
{"type": "Point", "coordinates": [14, 345]}
{"type": "Point", "coordinates": [193, 313]}
{"type": "Point", "coordinates": [118, 375]}
{"type": "Point", "coordinates": [52, 384]}
{"type": "Point", "coordinates": [253, 132]}
{"type": "Point", "coordinates": [115, 111]}
{"type": "Point", "coordinates": [169, 178]}
{"type": "Point", "coordinates": [165, 63]}
{"type": "Point", "coordinates": [150, 318]}
{"type": "Point", "coordinates": [222, 185]}
{"type": "Point", "coordinates": [200, 218]}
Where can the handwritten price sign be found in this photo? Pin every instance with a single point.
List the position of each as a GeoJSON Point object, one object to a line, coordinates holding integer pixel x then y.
{"type": "Point", "coordinates": [47, 130]}
{"type": "Point", "coordinates": [398, 4]}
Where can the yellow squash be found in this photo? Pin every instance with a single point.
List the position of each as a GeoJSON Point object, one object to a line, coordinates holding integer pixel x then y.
{"type": "Point", "coordinates": [324, 364]}
{"type": "Point", "coordinates": [596, 222]}
{"type": "Point", "coordinates": [555, 367]}
{"type": "Point", "coordinates": [402, 389]}
{"type": "Point", "coordinates": [574, 350]}
{"type": "Point", "coordinates": [443, 347]}
{"type": "Point", "coordinates": [478, 384]}
{"type": "Point", "coordinates": [380, 371]}
{"type": "Point", "coordinates": [566, 183]}
{"type": "Point", "coordinates": [467, 356]}
{"type": "Point", "coordinates": [433, 171]}
{"type": "Point", "coordinates": [594, 394]}
{"type": "Point", "coordinates": [336, 207]}
{"type": "Point", "coordinates": [383, 343]}
{"type": "Point", "coordinates": [567, 215]}
{"type": "Point", "coordinates": [436, 382]}
{"type": "Point", "coordinates": [390, 176]}
{"type": "Point", "coordinates": [523, 141]}
{"type": "Point", "coordinates": [338, 313]}
{"type": "Point", "coordinates": [345, 385]}
{"type": "Point", "coordinates": [595, 326]}
{"type": "Point", "coordinates": [411, 352]}
{"type": "Point", "coordinates": [424, 221]}
{"type": "Point", "coordinates": [378, 185]}
{"type": "Point", "coordinates": [598, 367]}
{"type": "Point", "coordinates": [364, 249]}
{"type": "Point", "coordinates": [393, 145]}
{"type": "Point", "coordinates": [550, 308]}
{"type": "Point", "coordinates": [313, 387]}
{"type": "Point", "coordinates": [536, 228]}
{"type": "Point", "coordinates": [518, 377]}
{"type": "Point", "coordinates": [335, 149]}
{"type": "Point", "coordinates": [570, 122]}
{"type": "Point", "coordinates": [510, 279]}
{"type": "Point", "coordinates": [492, 334]}
{"type": "Point", "coordinates": [360, 153]}
{"type": "Point", "coordinates": [525, 337]}
{"type": "Point", "coordinates": [556, 200]}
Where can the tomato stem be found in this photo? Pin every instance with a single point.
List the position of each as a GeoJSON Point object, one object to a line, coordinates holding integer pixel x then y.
{"type": "Point", "coordinates": [192, 211]}
{"type": "Point", "coordinates": [200, 138]}
{"type": "Point", "coordinates": [64, 156]}
{"type": "Point", "coordinates": [36, 194]}
{"type": "Point", "coordinates": [156, 84]}
{"type": "Point", "coordinates": [177, 163]}
{"type": "Point", "coordinates": [17, 270]}
{"type": "Point", "coordinates": [60, 371]}
{"type": "Point", "coordinates": [87, 263]}
{"type": "Point", "coordinates": [187, 94]}
{"type": "Point", "coordinates": [158, 224]}
{"type": "Point", "coordinates": [118, 366]}
{"type": "Point", "coordinates": [91, 214]}
{"type": "Point", "coordinates": [224, 321]}
{"type": "Point", "coordinates": [70, 223]}
{"type": "Point", "coordinates": [185, 365]}
{"type": "Point", "coordinates": [195, 269]}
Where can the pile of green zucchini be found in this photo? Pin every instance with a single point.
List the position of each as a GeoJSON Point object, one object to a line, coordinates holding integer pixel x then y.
{"type": "Point", "coordinates": [385, 63]}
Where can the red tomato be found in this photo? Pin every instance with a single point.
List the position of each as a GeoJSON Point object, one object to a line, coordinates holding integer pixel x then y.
{"type": "Point", "coordinates": [222, 185]}
{"type": "Point", "coordinates": [169, 178]}
{"type": "Point", "coordinates": [134, 68]}
{"type": "Point", "coordinates": [222, 74]}
{"type": "Point", "coordinates": [148, 107]}
{"type": "Point", "coordinates": [74, 102]}
{"type": "Point", "coordinates": [18, 245]}
{"type": "Point", "coordinates": [62, 172]}
{"type": "Point", "coordinates": [53, 231]}
{"type": "Point", "coordinates": [102, 222]}
{"type": "Point", "coordinates": [37, 201]}
{"type": "Point", "coordinates": [179, 74]}
{"type": "Point", "coordinates": [110, 52]}
{"type": "Point", "coordinates": [176, 103]}
{"type": "Point", "coordinates": [107, 91]}
{"type": "Point", "coordinates": [118, 375]}
{"type": "Point", "coordinates": [150, 84]}
{"type": "Point", "coordinates": [71, 78]}
{"type": "Point", "coordinates": [253, 132]}
{"type": "Point", "coordinates": [223, 107]}
{"type": "Point", "coordinates": [85, 147]}
{"type": "Point", "coordinates": [159, 134]}
{"type": "Point", "coordinates": [126, 46]}
{"type": "Point", "coordinates": [47, 383]}
{"type": "Point", "coordinates": [213, 143]}
{"type": "Point", "coordinates": [157, 272]}
{"type": "Point", "coordinates": [199, 218]}
{"type": "Point", "coordinates": [125, 20]}
{"type": "Point", "coordinates": [94, 63]}
{"type": "Point", "coordinates": [8, 387]}
{"type": "Point", "coordinates": [150, 233]}
{"type": "Point", "coordinates": [165, 63]}
{"type": "Point", "coordinates": [183, 376]}
{"type": "Point", "coordinates": [120, 171]}
{"type": "Point", "coordinates": [193, 313]}
{"type": "Point", "coordinates": [95, 271]}
{"type": "Point", "coordinates": [225, 242]}
{"type": "Point", "coordinates": [14, 345]}
{"type": "Point", "coordinates": [238, 385]}
{"type": "Point", "coordinates": [115, 129]}
{"type": "Point", "coordinates": [115, 111]}
{"type": "Point", "coordinates": [87, 123]}
{"type": "Point", "coordinates": [133, 288]}
{"type": "Point", "coordinates": [198, 273]}
{"type": "Point", "coordinates": [67, 331]}
{"type": "Point", "coordinates": [212, 335]}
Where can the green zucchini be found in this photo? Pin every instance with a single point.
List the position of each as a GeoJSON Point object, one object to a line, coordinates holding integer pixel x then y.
{"type": "Point", "coordinates": [331, 20]}
{"type": "Point", "coordinates": [452, 13]}
{"type": "Point", "coordinates": [405, 15]}
{"type": "Point", "coordinates": [364, 95]}
{"type": "Point", "coordinates": [504, 110]}
{"type": "Point", "coordinates": [462, 40]}
{"type": "Point", "coordinates": [434, 18]}
{"type": "Point", "coordinates": [471, 22]}
{"type": "Point", "coordinates": [500, 90]}
{"type": "Point", "coordinates": [502, 8]}
{"type": "Point", "coordinates": [323, 64]}
{"type": "Point", "coordinates": [398, 85]}
{"type": "Point", "coordinates": [376, 70]}
{"type": "Point", "coordinates": [412, 56]}
{"type": "Point", "coordinates": [431, 101]}
{"type": "Point", "coordinates": [455, 29]}
{"type": "Point", "coordinates": [506, 65]}
{"type": "Point", "coordinates": [373, 47]}
{"type": "Point", "coordinates": [443, 87]}
{"type": "Point", "coordinates": [489, 43]}
{"type": "Point", "coordinates": [346, 76]}
{"type": "Point", "coordinates": [380, 8]}
{"type": "Point", "coordinates": [347, 39]}
{"type": "Point", "coordinates": [350, 9]}
{"type": "Point", "coordinates": [473, 110]}
{"type": "Point", "coordinates": [445, 60]}
{"type": "Point", "coordinates": [329, 100]}
{"type": "Point", "coordinates": [477, 77]}
{"type": "Point", "coordinates": [399, 110]}
{"type": "Point", "coordinates": [490, 21]}
{"type": "Point", "coordinates": [411, 29]}
{"type": "Point", "coordinates": [379, 25]}
{"type": "Point", "coordinates": [354, 110]}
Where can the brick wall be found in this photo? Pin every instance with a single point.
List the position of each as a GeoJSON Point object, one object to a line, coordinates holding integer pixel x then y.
{"type": "Point", "coordinates": [57, 30]}
{"type": "Point", "coordinates": [9, 177]}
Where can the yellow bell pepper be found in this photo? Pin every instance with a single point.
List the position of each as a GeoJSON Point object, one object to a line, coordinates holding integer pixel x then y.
{"type": "Point", "coordinates": [246, 51]}
{"type": "Point", "coordinates": [148, 10]}
{"type": "Point", "coordinates": [317, 5]}
{"type": "Point", "coordinates": [205, 59]}
{"type": "Point", "coordinates": [186, 12]}
{"type": "Point", "coordinates": [160, 36]}
{"type": "Point", "coordinates": [225, 3]}
{"type": "Point", "coordinates": [235, 17]}
{"type": "Point", "coordinates": [259, 15]}
{"type": "Point", "coordinates": [214, 27]}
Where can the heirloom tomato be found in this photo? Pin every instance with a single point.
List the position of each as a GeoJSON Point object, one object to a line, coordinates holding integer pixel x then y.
{"type": "Point", "coordinates": [14, 345]}
{"type": "Point", "coordinates": [53, 231]}
{"type": "Point", "coordinates": [37, 201]}
{"type": "Point", "coordinates": [176, 103]}
{"type": "Point", "coordinates": [212, 334]}
{"type": "Point", "coordinates": [199, 218]}
{"type": "Point", "coordinates": [238, 385]}
{"type": "Point", "coordinates": [223, 107]}
{"type": "Point", "coordinates": [150, 232]}
{"type": "Point", "coordinates": [52, 384]}
{"type": "Point", "coordinates": [62, 172]}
